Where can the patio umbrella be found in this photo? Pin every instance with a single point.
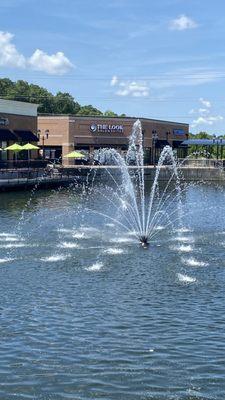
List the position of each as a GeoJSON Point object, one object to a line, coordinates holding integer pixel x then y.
{"type": "Point", "coordinates": [14, 147]}
{"type": "Point", "coordinates": [75, 154]}
{"type": "Point", "coordinates": [29, 147]}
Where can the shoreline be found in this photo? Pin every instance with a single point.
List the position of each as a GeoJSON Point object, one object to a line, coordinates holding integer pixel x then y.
{"type": "Point", "coordinates": [26, 179]}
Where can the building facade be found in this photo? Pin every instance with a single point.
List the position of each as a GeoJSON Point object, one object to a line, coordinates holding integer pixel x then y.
{"type": "Point", "coordinates": [61, 134]}
{"type": "Point", "coordinates": [18, 124]}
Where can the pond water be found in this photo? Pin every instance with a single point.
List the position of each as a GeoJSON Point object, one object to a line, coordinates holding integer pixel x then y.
{"type": "Point", "coordinates": [86, 313]}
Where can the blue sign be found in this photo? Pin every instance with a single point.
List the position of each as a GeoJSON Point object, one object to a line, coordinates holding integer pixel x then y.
{"type": "Point", "coordinates": [178, 132]}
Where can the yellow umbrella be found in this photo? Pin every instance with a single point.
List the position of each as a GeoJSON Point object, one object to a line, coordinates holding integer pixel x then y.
{"type": "Point", "coordinates": [75, 154]}
{"type": "Point", "coordinates": [30, 146]}
{"type": "Point", "coordinates": [14, 147]}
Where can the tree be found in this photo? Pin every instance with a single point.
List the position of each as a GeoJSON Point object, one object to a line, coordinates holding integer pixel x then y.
{"type": "Point", "coordinates": [209, 151]}
{"type": "Point", "coordinates": [64, 104]}
{"type": "Point", "coordinates": [5, 85]}
{"type": "Point", "coordinates": [61, 103]}
{"type": "Point", "coordinates": [43, 97]}
{"type": "Point", "coordinates": [89, 110]}
{"type": "Point", "coordinates": [109, 113]}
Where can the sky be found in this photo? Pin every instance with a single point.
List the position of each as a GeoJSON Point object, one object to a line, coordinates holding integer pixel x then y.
{"type": "Point", "coordinates": [160, 59]}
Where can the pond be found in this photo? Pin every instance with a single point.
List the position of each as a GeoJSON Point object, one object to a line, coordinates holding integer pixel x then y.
{"type": "Point", "coordinates": [87, 313]}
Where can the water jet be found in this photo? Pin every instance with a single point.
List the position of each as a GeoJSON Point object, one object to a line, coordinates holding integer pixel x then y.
{"type": "Point", "coordinates": [135, 208]}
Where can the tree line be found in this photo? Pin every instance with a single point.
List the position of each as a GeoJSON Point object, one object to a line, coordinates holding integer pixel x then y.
{"type": "Point", "coordinates": [60, 103]}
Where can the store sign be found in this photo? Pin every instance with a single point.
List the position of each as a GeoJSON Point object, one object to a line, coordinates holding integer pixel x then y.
{"type": "Point", "coordinates": [4, 121]}
{"type": "Point", "coordinates": [178, 132]}
{"type": "Point", "coordinates": [106, 128]}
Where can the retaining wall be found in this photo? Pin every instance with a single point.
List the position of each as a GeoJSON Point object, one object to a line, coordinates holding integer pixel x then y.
{"type": "Point", "coordinates": [23, 179]}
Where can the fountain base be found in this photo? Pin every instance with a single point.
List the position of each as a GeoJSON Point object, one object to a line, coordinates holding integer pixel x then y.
{"type": "Point", "coordinates": [144, 241]}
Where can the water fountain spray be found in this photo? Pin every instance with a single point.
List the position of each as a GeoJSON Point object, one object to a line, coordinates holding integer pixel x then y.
{"type": "Point", "coordinates": [137, 211]}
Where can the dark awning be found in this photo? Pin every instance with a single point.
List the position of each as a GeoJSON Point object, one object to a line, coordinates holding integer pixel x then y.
{"type": "Point", "coordinates": [161, 143]}
{"type": "Point", "coordinates": [178, 143]}
{"type": "Point", "coordinates": [204, 142]}
{"type": "Point", "coordinates": [6, 135]}
{"type": "Point", "coordinates": [26, 136]}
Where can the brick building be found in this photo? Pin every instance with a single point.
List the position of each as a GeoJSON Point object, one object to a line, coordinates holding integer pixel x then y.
{"type": "Point", "coordinates": [60, 134]}
{"type": "Point", "coordinates": [18, 123]}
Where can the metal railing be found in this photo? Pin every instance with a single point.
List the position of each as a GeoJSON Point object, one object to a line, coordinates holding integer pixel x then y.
{"type": "Point", "coordinates": [19, 164]}
{"type": "Point", "coordinates": [202, 163]}
{"type": "Point", "coordinates": [41, 176]}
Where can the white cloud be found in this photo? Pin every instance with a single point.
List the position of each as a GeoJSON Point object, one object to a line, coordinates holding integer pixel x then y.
{"type": "Point", "coordinates": [130, 88]}
{"type": "Point", "coordinates": [182, 23]}
{"type": "Point", "coordinates": [207, 120]}
{"type": "Point", "coordinates": [55, 64]}
{"type": "Point", "coordinates": [135, 89]}
{"type": "Point", "coordinates": [205, 117]}
{"type": "Point", "coordinates": [203, 111]}
{"type": "Point", "coordinates": [9, 56]}
{"type": "Point", "coordinates": [114, 80]}
{"type": "Point", "coordinates": [205, 103]}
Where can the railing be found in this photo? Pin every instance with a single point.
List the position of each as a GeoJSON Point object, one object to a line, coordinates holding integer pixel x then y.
{"type": "Point", "coordinates": [202, 163]}
{"type": "Point", "coordinates": [30, 177]}
{"type": "Point", "coordinates": [19, 164]}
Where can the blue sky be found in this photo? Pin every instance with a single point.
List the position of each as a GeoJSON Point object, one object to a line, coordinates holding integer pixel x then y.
{"type": "Point", "coordinates": [158, 59]}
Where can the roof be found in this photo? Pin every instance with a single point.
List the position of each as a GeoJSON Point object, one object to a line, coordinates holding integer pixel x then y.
{"type": "Point", "coordinates": [204, 142]}
{"type": "Point", "coordinates": [18, 108]}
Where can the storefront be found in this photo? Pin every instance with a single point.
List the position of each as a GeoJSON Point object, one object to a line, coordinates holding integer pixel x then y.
{"type": "Point", "coordinates": [18, 124]}
{"type": "Point", "coordinates": [63, 134]}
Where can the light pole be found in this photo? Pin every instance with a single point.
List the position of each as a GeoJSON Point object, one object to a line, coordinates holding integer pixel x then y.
{"type": "Point", "coordinates": [154, 139]}
{"type": "Point", "coordinates": [42, 140]}
{"type": "Point", "coordinates": [221, 148]}
{"type": "Point", "coordinates": [167, 135]}
{"type": "Point", "coordinates": [217, 149]}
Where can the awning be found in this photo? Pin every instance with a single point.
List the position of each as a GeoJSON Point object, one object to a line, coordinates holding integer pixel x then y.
{"type": "Point", "coordinates": [178, 143]}
{"type": "Point", "coordinates": [161, 143]}
{"type": "Point", "coordinates": [204, 142]}
{"type": "Point", "coordinates": [26, 136]}
{"type": "Point", "coordinates": [6, 135]}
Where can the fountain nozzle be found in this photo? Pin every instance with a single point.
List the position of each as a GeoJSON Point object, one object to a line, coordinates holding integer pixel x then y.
{"type": "Point", "coordinates": [144, 241]}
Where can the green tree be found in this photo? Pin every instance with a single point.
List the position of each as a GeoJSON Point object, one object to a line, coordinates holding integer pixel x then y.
{"type": "Point", "coordinates": [43, 97]}
{"type": "Point", "coordinates": [5, 86]}
{"type": "Point", "coordinates": [202, 151]}
{"type": "Point", "coordinates": [64, 104]}
{"type": "Point", "coordinates": [89, 110]}
{"type": "Point", "coordinates": [109, 113]}
{"type": "Point", "coordinates": [19, 91]}
{"type": "Point", "coordinates": [61, 103]}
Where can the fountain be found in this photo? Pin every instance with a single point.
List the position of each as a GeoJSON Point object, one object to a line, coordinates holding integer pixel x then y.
{"type": "Point", "coordinates": [136, 211]}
